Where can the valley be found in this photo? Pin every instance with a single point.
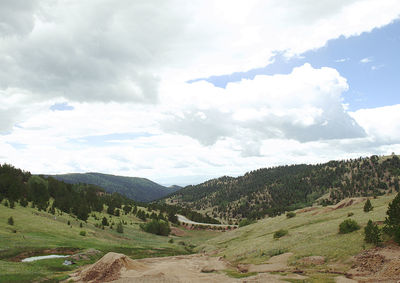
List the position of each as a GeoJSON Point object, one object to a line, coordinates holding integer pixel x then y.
{"type": "Point", "coordinates": [108, 237]}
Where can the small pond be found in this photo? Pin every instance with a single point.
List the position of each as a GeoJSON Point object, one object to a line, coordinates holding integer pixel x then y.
{"type": "Point", "coordinates": [34, 258]}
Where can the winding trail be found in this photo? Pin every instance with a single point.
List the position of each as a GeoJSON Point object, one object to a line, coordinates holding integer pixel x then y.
{"type": "Point", "coordinates": [183, 219]}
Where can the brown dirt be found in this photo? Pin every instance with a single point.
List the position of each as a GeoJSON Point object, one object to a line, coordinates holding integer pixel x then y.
{"type": "Point", "coordinates": [274, 264]}
{"type": "Point", "coordinates": [108, 268]}
{"type": "Point", "coordinates": [342, 204]}
{"type": "Point", "coordinates": [177, 232]}
{"type": "Point", "coordinates": [377, 264]}
{"type": "Point", "coordinates": [312, 260]}
{"type": "Point", "coordinates": [189, 268]}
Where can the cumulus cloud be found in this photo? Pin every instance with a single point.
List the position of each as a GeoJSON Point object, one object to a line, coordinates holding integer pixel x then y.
{"type": "Point", "coordinates": [108, 51]}
{"type": "Point", "coordinates": [305, 105]}
{"type": "Point", "coordinates": [17, 17]}
{"type": "Point", "coordinates": [120, 67]}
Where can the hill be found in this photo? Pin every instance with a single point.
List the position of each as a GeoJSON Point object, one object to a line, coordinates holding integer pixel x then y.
{"type": "Point", "coordinates": [313, 245]}
{"type": "Point", "coordinates": [272, 191]}
{"type": "Point", "coordinates": [138, 189]}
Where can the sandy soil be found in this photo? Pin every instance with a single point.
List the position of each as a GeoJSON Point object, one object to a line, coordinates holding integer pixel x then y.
{"type": "Point", "coordinates": [381, 264]}
{"type": "Point", "coordinates": [119, 268]}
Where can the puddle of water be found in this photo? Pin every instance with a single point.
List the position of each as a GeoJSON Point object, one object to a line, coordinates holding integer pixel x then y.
{"type": "Point", "coordinates": [34, 258]}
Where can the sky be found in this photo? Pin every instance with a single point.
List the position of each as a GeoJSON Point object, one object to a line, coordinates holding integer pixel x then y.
{"type": "Point", "coordinates": [183, 91]}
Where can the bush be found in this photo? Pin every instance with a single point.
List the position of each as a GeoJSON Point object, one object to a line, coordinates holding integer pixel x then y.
{"type": "Point", "coordinates": [290, 214]}
{"type": "Point", "coordinates": [69, 223]}
{"type": "Point", "coordinates": [158, 227]}
{"type": "Point", "coordinates": [372, 233]}
{"type": "Point", "coordinates": [10, 221]}
{"type": "Point", "coordinates": [368, 206]}
{"type": "Point", "coordinates": [104, 222]}
{"type": "Point", "coordinates": [120, 228]}
{"type": "Point", "coordinates": [348, 226]}
{"type": "Point", "coordinates": [245, 222]}
{"type": "Point", "coordinates": [350, 214]}
{"type": "Point", "coordinates": [280, 233]}
{"type": "Point", "coordinates": [171, 241]}
{"type": "Point", "coordinates": [82, 233]}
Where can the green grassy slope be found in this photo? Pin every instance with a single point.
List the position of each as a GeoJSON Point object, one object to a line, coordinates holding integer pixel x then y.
{"type": "Point", "coordinates": [310, 233]}
{"type": "Point", "coordinates": [138, 189]}
{"type": "Point", "coordinates": [38, 231]}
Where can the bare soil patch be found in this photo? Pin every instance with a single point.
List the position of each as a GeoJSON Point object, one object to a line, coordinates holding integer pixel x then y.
{"type": "Point", "coordinates": [377, 264]}
{"type": "Point", "coordinates": [177, 232]}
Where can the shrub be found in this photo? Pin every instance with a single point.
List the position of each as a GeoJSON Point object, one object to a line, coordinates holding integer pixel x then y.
{"type": "Point", "coordinates": [12, 204]}
{"type": "Point", "coordinates": [104, 222]}
{"type": "Point", "coordinates": [171, 241]}
{"type": "Point", "coordinates": [246, 221]}
{"type": "Point", "coordinates": [10, 221]}
{"type": "Point", "coordinates": [350, 214]}
{"type": "Point", "coordinates": [80, 225]}
{"type": "Point", "coordinates": [158, 227]}
{"type": "Point", "coordinates": [69, 223]}
{"type": "Point", "coordinates": [82, 233]}
{"type": "Point", "coordinates": [280, 233]}
{"type": "Point", "coordinates": [120, 228]}
{"type": "Point", "coordinates": [368, 206]}
{"type": "Point", "coordinates": [290, 214]}
{"type": "Point", "coordinates": [24, 202]}
{"type": "Point", "coordinates": [372, 233]}
{"type": "Point", "coordinates": [348, 226]}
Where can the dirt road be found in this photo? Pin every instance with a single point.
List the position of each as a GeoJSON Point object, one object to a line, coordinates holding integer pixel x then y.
{"type": "Point", "coordinates": [183, 219]}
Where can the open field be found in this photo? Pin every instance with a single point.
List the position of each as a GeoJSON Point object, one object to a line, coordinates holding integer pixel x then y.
{"type": "Point", "coordinates": [310, 233]}
{"type": "Point", "coordinates": [37, 233]}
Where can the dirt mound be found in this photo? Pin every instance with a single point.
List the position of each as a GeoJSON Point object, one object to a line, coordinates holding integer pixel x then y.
{"type": "Point", "coordinates": [108, 268]}
{"type": "Point", "coordinates": [378, 264]}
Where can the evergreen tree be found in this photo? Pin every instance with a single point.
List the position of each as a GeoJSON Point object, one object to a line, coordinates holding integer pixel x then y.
{"type": "Point", "coordinates": [392, 221]}
{"type": "Point", "coordinates": [104, 222]}
{"type": "Point", "coordinates": [10, 221]}
{"type": "Point", "coordinates": [120, 228]}
{"type": "Point", "coordinates": [368, 206]}
{"type": "Point", "coordinates": [372, 233]}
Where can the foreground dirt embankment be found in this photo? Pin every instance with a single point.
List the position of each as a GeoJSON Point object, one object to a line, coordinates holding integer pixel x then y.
{"type": "Point", "coordinates": [119, 268]}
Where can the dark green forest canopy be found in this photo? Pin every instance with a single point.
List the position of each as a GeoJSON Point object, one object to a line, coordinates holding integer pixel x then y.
{"type": "Point", "coordinates": [272, 191]}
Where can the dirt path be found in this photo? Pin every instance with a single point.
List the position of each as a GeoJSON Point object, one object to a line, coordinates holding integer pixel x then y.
{"type": "Point", "coordinates": [183, 219]}
{"type": "Point", "coordinates": [119, 268]}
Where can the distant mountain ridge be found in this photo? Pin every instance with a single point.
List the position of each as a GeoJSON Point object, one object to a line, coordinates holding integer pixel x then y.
{"type": "Point", "coordinates": [138, 189]}
{"type": "Point", "coordinates": [272, 191]}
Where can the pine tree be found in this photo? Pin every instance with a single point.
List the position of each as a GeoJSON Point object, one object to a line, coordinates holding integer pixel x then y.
{"type": "Point", "coordinates": [372, 233]}
{"type": "Point", "coordinates": [392, 221]}
{"type": "Point", "coordinates": [10, 221]}
{"type": "Point", "coordinates": [120, 228]}
{"type": "Point", "coordinates": [368, 206]}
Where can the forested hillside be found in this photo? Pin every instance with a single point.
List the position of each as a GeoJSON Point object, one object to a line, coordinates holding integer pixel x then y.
{"type": "Point", "coordinates": [138, 189]}
{"type": "Point", "coordinates": [271, 191]}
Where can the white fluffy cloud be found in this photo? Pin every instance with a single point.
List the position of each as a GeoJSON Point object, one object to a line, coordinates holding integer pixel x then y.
{"type": "Point", "coordinates": [123, 66]}
{"type": "Point", "coordinates": [305, 105]}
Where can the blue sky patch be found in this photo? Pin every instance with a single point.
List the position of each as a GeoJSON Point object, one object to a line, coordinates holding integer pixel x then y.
{"type": "Point", "coordinates": [64, 106]}
{"type": "Point", "coordinates": [370, 63]}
